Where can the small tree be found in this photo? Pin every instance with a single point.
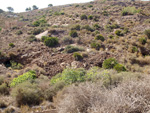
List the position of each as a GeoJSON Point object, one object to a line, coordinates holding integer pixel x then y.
{"type": "Point", "coordinates": [27, 9]}
{"type": "Point", "coordinates": [1, 11]}
{"type": "Point", "coordinates": [35, 7]}
{"type": "Point", "coordinates": [50, 5]}
{"type": "Point", "coordinates": [10, 9]}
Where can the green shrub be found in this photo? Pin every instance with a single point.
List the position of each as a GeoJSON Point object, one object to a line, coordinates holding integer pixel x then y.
{"type": "Point", "coordinates": [105, 13]}
{"type": "Point", "coordinates": [96, 26]}
{"type": "Point", "coordinates": [71, 49]}
{"type": "Point", "coordinates": [22, 78]}
{"type": "Point", "coordinates": [83, 17]}
{"type": "Point", "coordinates": [4, 90]}
{"type": "Point", "coordinates": [76, 27]}
{"type": "Point", "coordinates": [110, 27]}
{"type": "Point", "coordinates": [39, 22]}
{"type": "Point", "coordinates": [95, 45]}
{"type": "Point", "coordinates": [134, 49]}
{"type": "Point", "coordinates": [90, 17]}
{"type": "Point", "coordinates": [19, 32]}
{"type": "Point", "coordinates": [36, 23]}
{"type": "Point", "coordinates": [143, 40]}
{"type": "Point", "coordinates": [12, 45]}
{"type": "Point", "coordinates": [130, 11]}
{"type": "Point", "coordinates": [44, 38]}
{"type": "Point", "coordinates": [57, 13]}
{"type": "Point", "coordinates": [109, 63]}
{"type": "Point", "coordinates": [90, 6]}
{"type": "Point", "coordinates": [88, 28]}
{"type": "Point", "coordinates": [73, 33]}
{"type": "Point", "coordinates": [27, 94]}
{"type": "Point", "coordinates": [111, 36]}
{"type": "Point", "coordinates": [147, 33]}
{"type": "Point", "coordinates": [51, 41]}
{"type": "Point", "coordinates": [100, 37]}
{"type": "Point", "coordinates": [77, 56]}
{"type": "Point", "coordinates": [118, 33]}
{"type": "Point", "coordinates": [119, 67]}
{"type": "Point", "coordinates": [69, 76]}
{"type": "Point", "coordinates": [0, 29]}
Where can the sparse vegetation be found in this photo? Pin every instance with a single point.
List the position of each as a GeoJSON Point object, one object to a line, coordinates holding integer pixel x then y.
{"type": "Point", "coordinates": [89, 58]}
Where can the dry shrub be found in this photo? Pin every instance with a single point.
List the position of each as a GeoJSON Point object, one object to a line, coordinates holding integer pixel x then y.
{"type": "Point", "coordinates": [27, 93]}
{"type": "Point", "coordinates": [132, 96]}
{"type": "Point", "coordinates": [142, 60]}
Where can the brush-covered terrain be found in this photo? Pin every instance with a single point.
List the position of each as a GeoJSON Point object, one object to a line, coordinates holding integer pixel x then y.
{"type": "Point", "coordinates": [78, 58]}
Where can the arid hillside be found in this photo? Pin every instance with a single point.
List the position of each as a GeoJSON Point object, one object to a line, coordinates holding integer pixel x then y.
{"type": "Point", "coordinates": [41, 49]}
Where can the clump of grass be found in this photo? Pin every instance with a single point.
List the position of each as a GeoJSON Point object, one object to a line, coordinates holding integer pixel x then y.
{"type": "Point", "coordinates": [142, 40]}
{"type": "Point", "coordinates": [90, 17]}
{"type": "Point", "coordinates": [130, 11]}
{"type": "Point", "coordinates": [12, 45]}
{"type": "Point", "coordinates": [95, 45]}
{"type": "Point", "coordinates": [4, 90]}
{"type": "Point", "coordinates": [147, 33]}
{"type": "Point", "coordinates": [32, 38]}
{"type": "Point", "coordinates": [100, 37]}
{"type": "Point", "coordinates": [71, 49]}
{"type": "Point", "coordinates": [88, 28]}
{"type": "Point", "coordinates": [118, 33]}
{"type": "Point", "coordinates": [73, 33]}
{"type": "Point", "coordinates": [77, 56]}
{"type": "Point", "coordinates": [76, 27]}
{"type": "Point", "coordinates": [83, 17]}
